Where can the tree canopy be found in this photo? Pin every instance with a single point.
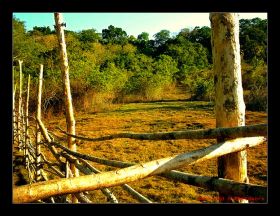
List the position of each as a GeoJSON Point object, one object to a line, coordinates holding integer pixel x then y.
{"type": "Point", "coordinates": [113, 61]}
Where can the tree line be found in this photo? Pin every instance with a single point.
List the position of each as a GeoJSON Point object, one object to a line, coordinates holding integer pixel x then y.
{"type": "Point", "coordinates": [112, 66]}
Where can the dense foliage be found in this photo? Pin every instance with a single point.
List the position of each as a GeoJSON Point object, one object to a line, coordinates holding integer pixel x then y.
{"type": "Point", "coordinates": [113, 66]}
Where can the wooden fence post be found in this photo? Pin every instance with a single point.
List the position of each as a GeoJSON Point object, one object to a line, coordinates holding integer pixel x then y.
{"type": "Point", "coordinates": [14, 114]}
{"type": "Point", "coordinates": [38, 116]}
{"type": "Point", "coordinates": [70, 120]}
{"type": "Point", "coordinates": [19, 116]}
{"type": "Point", "coordinates": [229, 103]}
{"type": "Point", "coordinates": [27, 125]}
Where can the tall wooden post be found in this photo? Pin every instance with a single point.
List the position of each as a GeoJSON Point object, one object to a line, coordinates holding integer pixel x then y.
{"type": "Point", "coordinates": [229, 103]}
{"type": "Point", "coordinates": [70, 120]}
{"type": "Point", "coordinates": [19, 117]}
{"type": "Point", "coordinates": [38, 116]}
{"type": "Point", "coordinates": [27, 124]}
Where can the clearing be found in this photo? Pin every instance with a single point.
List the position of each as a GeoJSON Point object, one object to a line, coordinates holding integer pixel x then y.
{"type": "Point", "coordinates": [166, 115]}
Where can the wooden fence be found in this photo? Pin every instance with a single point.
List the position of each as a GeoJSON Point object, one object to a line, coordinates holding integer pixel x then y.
{"type": "Point", "coordinates": [233, 138]}
{"type": "Point", "coordinates": [41, 189]}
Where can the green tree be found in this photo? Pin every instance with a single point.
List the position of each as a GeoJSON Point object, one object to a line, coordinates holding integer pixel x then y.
{"type": "Point", "coordinates": [144, 36]}
{"type": "Point", "coordinates": [114, 35]}
{"type": "Point", "coordinates": [41, 30]}
{"type": "Point", "coordinates": [161, 37]}
{"type": "Point", "coordinates": [202, 35]}
{"type": "Point", "coordinates": [26, 48]}
{"type": "Point", "coordinates": [253, 40]}
{"type": "Point", "coordinates": [144, 45]}
{"type": "Point", "coordinates": [89, 35]}
{"type": "Point", "coordinates": [184, 32]}
{"type": "Point", "coordinates": [189, 56]}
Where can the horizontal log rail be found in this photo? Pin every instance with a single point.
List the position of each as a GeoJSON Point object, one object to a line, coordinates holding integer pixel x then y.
{"type": "Point", "coordinates": [40, 190]}
{"type": "Point", "coordinates": [213, 133]}
{"type": "Point", "coordinates": [221, 185]}
{"type": "Point", "coordinates": [211, 183]}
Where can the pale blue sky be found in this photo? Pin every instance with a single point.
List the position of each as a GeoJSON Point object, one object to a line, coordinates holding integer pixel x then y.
{"type": "Point", "coordinates": [132, 23]}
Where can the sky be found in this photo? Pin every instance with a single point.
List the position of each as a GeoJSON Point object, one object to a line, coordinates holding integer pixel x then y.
{"type": "Point", "coordinates": [133, 23]}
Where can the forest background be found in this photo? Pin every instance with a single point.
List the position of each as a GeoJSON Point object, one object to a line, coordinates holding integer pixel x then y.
{"type": "Point", "coordinates": [112, 67]}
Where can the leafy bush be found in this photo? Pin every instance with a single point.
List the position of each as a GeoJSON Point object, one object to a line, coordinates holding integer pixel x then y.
{"type": "Point", "coordinates": [149, 78]}
{"type": "Point", "coordinates": [200, 83]}
{"type": "Point", "coordinates": [255, 86]}
{"type": "Point", "coordinates": [254, 81]}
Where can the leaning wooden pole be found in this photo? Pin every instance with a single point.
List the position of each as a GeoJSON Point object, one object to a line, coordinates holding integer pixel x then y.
{"type": "Point", "coordinates": [229, 103]}
{"type": "Point", "coordinates": [38, 116]}
{"type": "Point", "coordinates": [70, 120]}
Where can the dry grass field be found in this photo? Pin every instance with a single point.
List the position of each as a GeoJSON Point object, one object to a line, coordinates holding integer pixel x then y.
{"type": "Point", "coordinates": [168, 115]}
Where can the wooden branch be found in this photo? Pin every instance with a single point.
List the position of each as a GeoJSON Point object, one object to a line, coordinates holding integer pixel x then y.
{"type": "Point", "coordinates": [29, 193]}
{"type": "Point", "coordinates": [230, 133]}
{"type": "Point", "coordinates": [60, 174]}
{"type": "Point", "coordinates": [136, 194]}
{"type": "Point", "coordinates": [92, 158]}
{"type": "Point", "coordinates": [48, 139]}
{"type": "Point", "coordinates": [129, 189]}
{"type": "Point", "coordinates": [82, 198]}
{"type": "Point", "coordinates": [105, 191]}
{"type": "Point", "coordinates": [221, 185]}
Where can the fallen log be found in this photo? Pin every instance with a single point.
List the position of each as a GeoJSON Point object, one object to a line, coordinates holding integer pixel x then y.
{"type": "Point", "coordinates": [36, 191]}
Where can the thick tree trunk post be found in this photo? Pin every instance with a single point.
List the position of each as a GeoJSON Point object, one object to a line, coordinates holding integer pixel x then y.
{"type": "Point", "coordinates": [27, 124]}
{"type": "Point", "coordinates": [70, 120]}
{"type": "Point", "coordinates": [38, 116]}
{"type": "Point", "coordinates": [229, 105]}
{"type": "Point", "coordinates": [19, 126]}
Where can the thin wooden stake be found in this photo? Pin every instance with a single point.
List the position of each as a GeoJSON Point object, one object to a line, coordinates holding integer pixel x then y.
{"type": "Point", "coordinates": [14, 114]}
{"type": "Point", "coordinates": [27, 124]}
{"type": "Point", "coordinates": [38, 116]}
{"type": "Point", "coordinates": [19, 116]}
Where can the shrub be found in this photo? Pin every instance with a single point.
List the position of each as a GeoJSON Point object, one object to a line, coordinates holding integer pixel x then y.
{"type": "Point", "coordinates": [149, 78]}
{"type": "Point", "coordinates": [256, 99]}
{"type": "Point", "coordinates": [254, 79]}
{"type": "Point", "coordinates": [200, 83]}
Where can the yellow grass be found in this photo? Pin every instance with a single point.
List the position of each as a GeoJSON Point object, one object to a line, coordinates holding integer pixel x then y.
{"type": "Point", "coordinates": [159, 117]}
